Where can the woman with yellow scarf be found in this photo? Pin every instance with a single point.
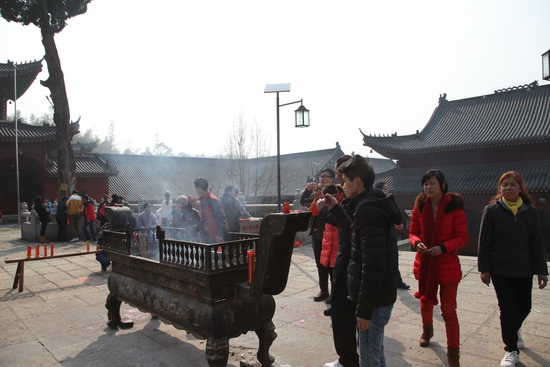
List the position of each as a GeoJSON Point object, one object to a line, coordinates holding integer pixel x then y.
{"type": "Point", "coordinates": [511, 252]}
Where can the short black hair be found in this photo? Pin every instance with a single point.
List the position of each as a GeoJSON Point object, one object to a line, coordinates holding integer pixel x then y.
{"type": "Point", "coordinates": [440, 177]}
{"type": "Point", "coordinates": [229, 189]}
{"type": "Point", "coordinates": [330, 172]}
{"type": "Point", "coordinates": [342, 160]}
{"type": "Point", "coordinates": [360, 167]}
{"type": "Point", "coordinates": [202, 183]}
{"type": "Point", "coordinates": [379, 185]}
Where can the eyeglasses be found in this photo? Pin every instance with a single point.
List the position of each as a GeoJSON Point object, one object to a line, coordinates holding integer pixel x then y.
{"type": "Point", "coordinates": [326, 176]}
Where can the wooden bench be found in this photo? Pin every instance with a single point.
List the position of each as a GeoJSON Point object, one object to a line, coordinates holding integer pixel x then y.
{"type": "Point", "coordinates": [19, 278]}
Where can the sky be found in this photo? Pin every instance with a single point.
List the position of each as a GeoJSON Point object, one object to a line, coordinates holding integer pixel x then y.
{"type": "Point", "coordinates": [183, 72]}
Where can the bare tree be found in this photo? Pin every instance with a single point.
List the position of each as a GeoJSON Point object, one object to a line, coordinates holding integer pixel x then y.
{"type": "Point", "coordinates": [51, 17]}
{"type": "Point", "coordinates": [244, 147]}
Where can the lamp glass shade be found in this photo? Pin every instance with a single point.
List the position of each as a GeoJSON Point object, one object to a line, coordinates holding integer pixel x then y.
{"type": "Point", "coordinates": [302, 116]}
{"type": "Point", "coordinates": [546, 65]}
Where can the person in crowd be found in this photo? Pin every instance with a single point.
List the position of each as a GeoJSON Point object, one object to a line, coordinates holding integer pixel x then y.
{"type": "Point", "coordinates": [373, 259]}
{"type": "Point", "coordinates": [146, 224]}
{"type": "Point", "coordinates": [234, 211]}
{"type": "Point", "coordinates": [397, 227]}
{"type": "Point", "coordinates": [89, 219]}
{"type": "Point", "coordinates": [146, 219]}
{"type": "Point", "coordinates": [342, 309]}
{"type": "Point", "coordinates": [438, 229]}
{"type": "Point", "coordinates": [186, 217]}
{"type": "Point", "coordinates": [511, 251]}
{"type": "Point", "coordinates": [213, 217]}
{"type": "Point", "coordinates": [61, 219]}
{"type": "Point", "coordinates": [115, 200]}
{"type": "Point", "coordinates": [42, 216]}
{"type": "Point", "coordinates": [101, 210]}
{"type": "Point", "coordinates": [74, 210]}
{"type": "Point", "coordinates": [165, 209]}
{"type": "Point", "coordinates": [329, 245]}
{"type": "Point", "coordinates": [48, 206]}
{"type": "Point", "coordinates": [311, 192]}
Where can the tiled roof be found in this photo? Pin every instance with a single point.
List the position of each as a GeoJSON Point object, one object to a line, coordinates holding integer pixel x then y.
{"type": "Point", "coordinates": [513, 117]}
{"type": "Point", "coordinates": [26, 74]}
{"type": "Point", "coordinates": [148, 177]}
{"type": "Point", "coordinates": [32, 133]}
{"type": "Point", "coordinates": [26, 133]}
{"type": "Point", "coordinates": [470, 179]}
{"type": "Point", "coordinates": [86, 166]}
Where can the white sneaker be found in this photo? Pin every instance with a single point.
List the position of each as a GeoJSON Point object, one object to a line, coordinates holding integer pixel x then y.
{"type": "Point", "coordinates": [333, 364]}
{"type": "Point", "coordinates": [510, 359]}
{"type": "Point", "coordinates": [75, 239]}
{"type": "Point", "coordinates": [521, 343]}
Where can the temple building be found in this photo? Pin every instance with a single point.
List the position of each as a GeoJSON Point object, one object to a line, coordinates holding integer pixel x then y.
{"type": "Point", "coordinates": [26, 75]}
{"type": "Point", "coordinates": [473, 141]}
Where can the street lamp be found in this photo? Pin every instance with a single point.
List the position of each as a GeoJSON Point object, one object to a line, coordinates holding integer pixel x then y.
{"type": "Point", "coordinates": [16, 143]}
{"type": "Point", "coordinates": [546, 65]}
{"type": "Point", "coordinates": [302, 120]}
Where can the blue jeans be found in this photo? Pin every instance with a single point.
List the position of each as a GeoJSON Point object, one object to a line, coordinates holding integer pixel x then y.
{"type": "Point", "coordinates": [371, 341]}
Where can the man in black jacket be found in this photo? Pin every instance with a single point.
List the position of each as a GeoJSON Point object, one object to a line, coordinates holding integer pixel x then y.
{"type": "Point", "coordinates": [373, 266]}
{"type": "Point", "coordinates": [342, 310]}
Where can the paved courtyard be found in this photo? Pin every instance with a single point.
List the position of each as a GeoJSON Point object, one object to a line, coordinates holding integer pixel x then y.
{"type": "Point", "coordinates": [60, 320]}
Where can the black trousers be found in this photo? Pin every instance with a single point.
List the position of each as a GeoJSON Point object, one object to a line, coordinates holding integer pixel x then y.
{"type": "Point", "coordinates": [344, 324]}
{"type": "Point", "coordinates": [317, 244]}
{"type": "Point", "coordinates": [514, 301]}
{"type": "Point", "coordinates": [61, 230]}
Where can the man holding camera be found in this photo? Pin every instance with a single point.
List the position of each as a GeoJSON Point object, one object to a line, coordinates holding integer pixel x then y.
{"type": "Point", "coordinates": [312, 191]}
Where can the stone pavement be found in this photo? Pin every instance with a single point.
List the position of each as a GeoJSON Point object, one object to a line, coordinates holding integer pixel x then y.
{"type": "Point", "coordinates": [60, 320]}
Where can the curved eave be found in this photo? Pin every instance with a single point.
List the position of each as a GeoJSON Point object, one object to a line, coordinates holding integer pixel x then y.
{"type": "Point", "coordinates": [395, 153]}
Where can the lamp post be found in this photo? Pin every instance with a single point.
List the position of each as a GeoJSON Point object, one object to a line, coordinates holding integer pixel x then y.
{"type": "Point", "coordinates": [546, 65]}
{"type": "Point", "coordinates": [16, 143]}
{"type": "Point", "coordinates": [301, 119]}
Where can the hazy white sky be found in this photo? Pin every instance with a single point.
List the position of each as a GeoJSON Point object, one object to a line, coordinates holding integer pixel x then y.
{"type": "Point", "coordinates": [186, 70]}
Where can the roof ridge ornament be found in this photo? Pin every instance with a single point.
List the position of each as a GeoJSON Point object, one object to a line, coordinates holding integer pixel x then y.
{"type": "Point", "coordinates": [518, 87]}
{"type": "Point", "coordinates": [443, 98]}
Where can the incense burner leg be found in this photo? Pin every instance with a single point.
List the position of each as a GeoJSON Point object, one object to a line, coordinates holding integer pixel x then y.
{"type": "Point", "coordinates": [217, 351]}
{"type": "Point", "coordinates": [113, 313]}
{"type": "Point", "coordinates": [266, 336]}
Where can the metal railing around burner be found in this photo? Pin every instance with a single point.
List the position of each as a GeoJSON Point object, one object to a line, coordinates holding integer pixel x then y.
{"type": "Point", "coordinates": [192, 255]}
{"type": "Point", "coordinates": [206, 257]}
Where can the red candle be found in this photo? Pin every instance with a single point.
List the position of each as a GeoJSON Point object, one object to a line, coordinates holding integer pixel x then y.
{"type": "Point", "coordinates": [37, 251]}
{"type": "Point", "coordinates": [29, 252]}
{"type": "Point", "coordinates": [88, 246]}
{"type": "Point", "coordinates": [97, 248]}
{"type": "Point", "coordinates": [250, 260]}
{"type": "Point", "coordinates": [51, 249]}
{"type": "Point", "coordinates": [45, 250]}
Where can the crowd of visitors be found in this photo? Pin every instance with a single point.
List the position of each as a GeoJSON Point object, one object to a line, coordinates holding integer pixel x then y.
{"type": "Point", "coordinates": [354, 241]}
{"type": "Point", "coordinates": [365, 275]}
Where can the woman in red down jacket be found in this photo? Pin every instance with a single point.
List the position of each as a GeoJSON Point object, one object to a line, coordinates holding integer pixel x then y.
{"type": "Point", "coordinates": [438, 229]}
{"type": "Point", "coordinates": [330, 242]}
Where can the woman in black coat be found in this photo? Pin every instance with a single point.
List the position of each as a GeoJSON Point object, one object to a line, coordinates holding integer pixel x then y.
{"type": "Point", "coordinates": [61, 219]}
{"type": "Point", "coordinates": [511, 252]}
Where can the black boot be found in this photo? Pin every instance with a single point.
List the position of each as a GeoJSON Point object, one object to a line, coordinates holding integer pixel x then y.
{"type": "Point", "coordinates": [323, 293]}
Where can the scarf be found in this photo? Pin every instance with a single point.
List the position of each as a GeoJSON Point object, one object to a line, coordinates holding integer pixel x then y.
{"type": "Point", "coordinates": [513, 205]}
{"type": "Point", "coordinates": [428, 281]}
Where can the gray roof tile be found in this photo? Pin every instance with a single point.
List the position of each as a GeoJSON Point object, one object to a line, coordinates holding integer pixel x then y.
{"type": "Point", "coordinates": [470, 179]}
{"type": "Point", "coordinates": [505, 118]}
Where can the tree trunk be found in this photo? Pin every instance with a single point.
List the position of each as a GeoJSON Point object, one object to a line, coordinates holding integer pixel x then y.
{"type": "Point", "coordinates": [66, 165]}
